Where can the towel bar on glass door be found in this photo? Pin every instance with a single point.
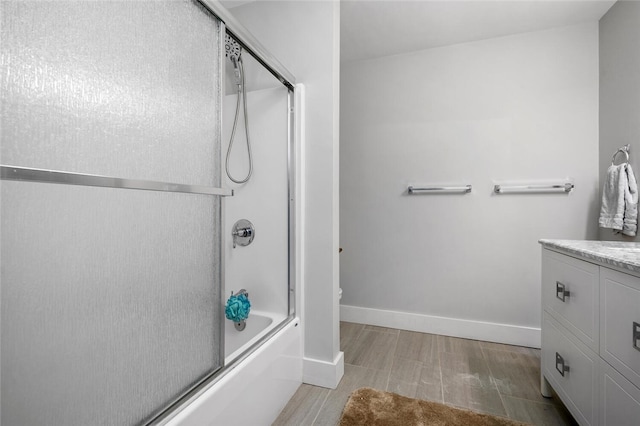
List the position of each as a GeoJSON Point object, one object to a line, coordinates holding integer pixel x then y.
{"type": "Point", "coordinates": [502, 189]}
{"type": "Point", "coordinates": [438, 189]}
{"type": "Point", "coordinates": [82, 179]}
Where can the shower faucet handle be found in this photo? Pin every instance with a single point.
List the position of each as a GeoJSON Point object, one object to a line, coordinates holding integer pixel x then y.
{"type": "Point", "coordinates": [243, 233]}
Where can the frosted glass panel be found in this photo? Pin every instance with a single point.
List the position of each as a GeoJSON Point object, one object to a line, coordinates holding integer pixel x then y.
{"type": "Point", "coordinates": [118, 88]}
{"type": "Point", "coordinates": [110, 300]}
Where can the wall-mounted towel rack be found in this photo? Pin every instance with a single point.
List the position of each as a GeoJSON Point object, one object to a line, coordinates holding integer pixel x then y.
{"type": "Point", "coordinates": [625, 151]}
{"type": "Point", "coordinates": [563, 187]}
{"type": "Point", "coordinates": [438, 189]}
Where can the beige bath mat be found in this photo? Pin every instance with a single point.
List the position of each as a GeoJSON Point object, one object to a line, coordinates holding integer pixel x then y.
{"type": "Point", "coordinates": [369, 407]}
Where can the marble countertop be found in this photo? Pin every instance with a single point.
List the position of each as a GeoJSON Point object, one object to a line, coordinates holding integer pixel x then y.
{"type": "Point", "coordinates": [616, 253]}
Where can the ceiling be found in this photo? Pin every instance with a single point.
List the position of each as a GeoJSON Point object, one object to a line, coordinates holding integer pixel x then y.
{"type": "Point", "coordinates": [371, 29]}
{"type": "Point", "coordinates": [375, 28]}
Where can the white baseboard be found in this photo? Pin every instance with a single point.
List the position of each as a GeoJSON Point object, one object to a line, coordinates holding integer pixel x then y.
{"type": "Point", "coordinates": [467, 329]}
{"type": "Point", "coordinates": [322, 373]}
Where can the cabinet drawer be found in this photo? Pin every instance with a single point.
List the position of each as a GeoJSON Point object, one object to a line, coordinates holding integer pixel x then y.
{"type": "Point", "coordinates": [620, 313]}
{"type": "Point", "coordinates": [570, 294]}
{"type": "Point", "coordinates": [577, 386]}
{"type": "Point", "coordinates": [619, 399]}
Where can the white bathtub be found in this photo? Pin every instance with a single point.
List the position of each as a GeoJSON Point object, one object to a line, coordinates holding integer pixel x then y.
{"type": "Point", "coordinates": [255, 389]}
{"type": "Point", "coordinates": [258, 324]}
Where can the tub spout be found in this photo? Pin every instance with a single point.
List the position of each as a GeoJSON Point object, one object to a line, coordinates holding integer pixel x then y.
{"type": "Point", "coordinates": [241, 291]}
{"type": "Point", "coordinates": [237, 309]}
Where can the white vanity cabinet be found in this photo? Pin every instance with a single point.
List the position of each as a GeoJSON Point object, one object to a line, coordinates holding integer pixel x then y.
{"type": "Point", "coordinates": [619, 399]}
{"type": "Point", "coordinates": [620, 323]}
{"type": "Point", "coordinates": [591, 332]}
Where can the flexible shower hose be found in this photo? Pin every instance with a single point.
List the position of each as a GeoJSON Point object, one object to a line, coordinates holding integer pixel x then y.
{"type": "Point", "coordinates": [241, 90]}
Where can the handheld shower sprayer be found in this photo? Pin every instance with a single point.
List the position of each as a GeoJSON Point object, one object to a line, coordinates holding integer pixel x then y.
{"type": "Point", "coordinates": [236, 71]}
{"type": "Point", "coordinates": [233, 51]}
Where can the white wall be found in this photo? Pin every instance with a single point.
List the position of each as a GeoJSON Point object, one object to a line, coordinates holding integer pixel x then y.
{"type": "Point", "coordinates": [262, 267]}
{"type": "Point", "coordinates": [519, 108]}
{"type": "Point", "coordinates": [304, 36]}
{"type": "Point", "coordinates": [619, 90]}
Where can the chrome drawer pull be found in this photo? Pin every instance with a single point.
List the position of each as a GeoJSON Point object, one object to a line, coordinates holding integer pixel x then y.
{"type": "Point", "coordinates": [561, 293]}
{"type": "Point", "coordinates": [636, 335]}
{"type": "Point", "coordinates": [560, 362]}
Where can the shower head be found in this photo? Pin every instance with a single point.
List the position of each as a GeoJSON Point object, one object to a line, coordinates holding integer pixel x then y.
{"type": "Point", "coordinates": [232, 49]}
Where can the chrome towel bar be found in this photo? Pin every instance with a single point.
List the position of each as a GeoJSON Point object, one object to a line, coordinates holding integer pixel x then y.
{"type": "Point", "coordinates": [564, 187]}
{"type": "Point", "coordinates": [68, 178]}
{"type": "Point", "coordinates": [438, 189]}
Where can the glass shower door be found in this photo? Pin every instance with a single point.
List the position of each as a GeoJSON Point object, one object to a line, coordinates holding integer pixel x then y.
{"type": "Point", "coordinates": [110, 208]}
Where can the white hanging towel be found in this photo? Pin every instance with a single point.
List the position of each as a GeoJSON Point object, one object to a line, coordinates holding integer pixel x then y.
{"type": "Point", "coordinates": [619, 210]}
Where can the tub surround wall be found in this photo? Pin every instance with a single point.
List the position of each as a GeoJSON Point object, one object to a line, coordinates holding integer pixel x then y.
{"type": "Point", "coordinates": [261, 267]}
{"type": "Point", "coordinates": [619, 90]}
{"type": "Point", "coordinates": [519, 108]}
{"type": "Point", "coordinates": [304, 36]}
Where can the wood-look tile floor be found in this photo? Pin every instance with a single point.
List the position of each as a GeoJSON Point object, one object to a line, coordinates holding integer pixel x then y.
{"type": "Point", "coordinates": [487, 377]}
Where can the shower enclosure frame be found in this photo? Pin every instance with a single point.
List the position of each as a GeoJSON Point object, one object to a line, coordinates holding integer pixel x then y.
{"type": "Point", "coordinates": [228, 24]}
{"type": "Point", "coordinates": [248, 42]}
